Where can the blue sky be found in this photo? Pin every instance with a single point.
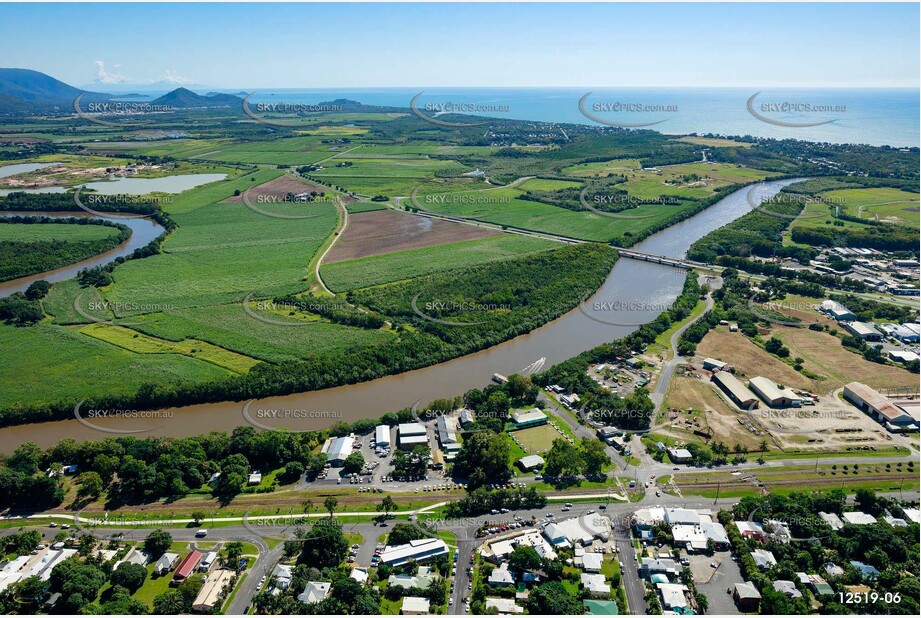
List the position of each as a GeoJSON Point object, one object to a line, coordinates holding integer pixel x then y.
{"type": "Point", "coordinates": [431, 45]}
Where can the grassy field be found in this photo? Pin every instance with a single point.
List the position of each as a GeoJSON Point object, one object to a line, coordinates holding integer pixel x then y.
{"type": "Point", "coordinates": [503, 208]}
{"type": "Point", "coordinates": [375, 270]}
{"type": "Point", "coordinates": [602, 169]}
{"type": "Point", "coordinates": [228, 326]}
{"type": "Point", "coordinates": [222, 252]}
{"type": "Point", "coordinates": [30, 232]}
{"type": "Point", "coordinates": [537, 439]}
{"type": "Point", "coordinates": [144, 344]}
{"type": "Point", "coordinates": [883, 204]}
{"type": "Point", "coordinates": [692, 180]}
{"type": "Point", "coordinates": [541, 184]}
{"type": "Point", "coordinates": [823, 355]}
{"type": "Point", "coordinates": [47, 363]}
{"type": "Point", "coordinates": [386, 176]}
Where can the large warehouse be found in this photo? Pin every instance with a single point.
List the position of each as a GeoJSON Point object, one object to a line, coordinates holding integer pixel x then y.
{"type": "Point", "coordinates": [412, 435]}
{"type": "Point", "coordinates": [339, 449]}
{"type": "Point", "coordinates": [775, 395]}
{"type": "Point", "coordinates": [730, 385]}
{"type": "Point", "coordinates": [893, 417]}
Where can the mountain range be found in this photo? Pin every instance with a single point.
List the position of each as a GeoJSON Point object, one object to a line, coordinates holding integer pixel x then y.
{"type": "Point", "coordinates": [23, 91]}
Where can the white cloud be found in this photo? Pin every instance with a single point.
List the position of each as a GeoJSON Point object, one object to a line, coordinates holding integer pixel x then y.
{"type": "Point", "coordinates": [174, 78]}
{"type": "Point", "coordinates": [105, 76]}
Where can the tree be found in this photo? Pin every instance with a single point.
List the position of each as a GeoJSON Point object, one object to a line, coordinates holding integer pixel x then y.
{"type": "Point", "coordinates": [553, 599]}
{"type": "Point", "coordinates": [157, 542]}
{"type": "Point", "coordinates": [90, 485]}
{"type": "Point", "coordinates": [525, 558]}
{"type": "Point", "coordinates": [324, 545]}
{"type": "Point", "coordinates": [594, 455]}
{"type": "Point", "coordinates": [31, 588]}
{"type": "Point", "coordinates": [330, 503]}
{"type": "Point", "coordinates": [78, 583]}
{"type": "Point", "coordinates": [387, 505]}
{"type": "Point", "coordinates": [401, 534]}
{"type": "Point", "coordinates": [25, 458]}
{"type": "Point", "coordinates": [234, 553]}
{"type": "Point", "coordinates": [293, 471]}
{"type": "Point", "coordinates": [563, 459]}
{"type": "Point", "coordinates": [198, 517]}
{"type": "Point", "coordinates": [354, 463]}
{"type": "Point", "coordinates": [483, 459]}
{"type": "Point", "coordinates": [307, 503]}
{"type": "Point", "coordinates": [702, 602]}
{"type": "Point", "coordinates": [170, 602]}
{"type": "Point", "coordinates": [37, 289]}
{"type": "Point", "coordinates": [129, 575]}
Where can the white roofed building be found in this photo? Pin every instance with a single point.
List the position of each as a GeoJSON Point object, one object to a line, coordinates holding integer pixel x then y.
{"type": "Point", "coordinates": [314, 592]}
{"type": "Point", "coordinates": [339, 450]}
{"type": "Point", "coordinates": [418, 550]}
{"type": "Point", "coordinates": [382, 436]}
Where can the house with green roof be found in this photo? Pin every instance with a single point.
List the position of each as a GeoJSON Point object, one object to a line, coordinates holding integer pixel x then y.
{"type": "Point", "coordinates": [600, 608]}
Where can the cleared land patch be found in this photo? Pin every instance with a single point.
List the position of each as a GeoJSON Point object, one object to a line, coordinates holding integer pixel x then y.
{"type": "Point", "coordinates": [602, 169]}
{"type": "Point", "coordinates": [822, 353]}
{"type": "Point", "coordinates": [388, 231]}
{"type": "Point", "coordinates": [693, 180]}
{"type": "Point", "coordinates": [278, 188]}
{"type": "Point", "coordinates": [718, 417]}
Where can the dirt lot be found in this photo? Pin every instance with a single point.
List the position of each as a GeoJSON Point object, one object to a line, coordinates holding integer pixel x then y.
{"type": "Point", "coordinates": [749, 360]}
{"type": "Point", "coordinates": [281, 186]}
{"type": "Point", "coordinates": [388, 231]}
{"type": "Point", "coordinates": [722, 420]}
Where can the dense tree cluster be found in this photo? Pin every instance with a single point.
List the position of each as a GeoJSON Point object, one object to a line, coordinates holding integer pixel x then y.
{"type": "Point", "coordinates": [24, 258]}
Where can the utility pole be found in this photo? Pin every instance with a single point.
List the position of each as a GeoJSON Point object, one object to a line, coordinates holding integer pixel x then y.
{"type": "Point", "coordinates": [715, 500]}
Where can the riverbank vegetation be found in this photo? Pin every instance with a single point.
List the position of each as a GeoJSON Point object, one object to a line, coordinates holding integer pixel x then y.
{"type": "Point", "coordinates": [30, 245]}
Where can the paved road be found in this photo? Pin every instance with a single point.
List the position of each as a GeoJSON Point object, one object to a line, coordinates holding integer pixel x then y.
{"type": "Point", "coordinates": [668, 370]}
{"type": "Point", "coordinates": [630, 574]}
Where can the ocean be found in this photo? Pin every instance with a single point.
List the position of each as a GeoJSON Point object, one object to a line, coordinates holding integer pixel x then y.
{"type": "Point", "coordinates": [878, 117]}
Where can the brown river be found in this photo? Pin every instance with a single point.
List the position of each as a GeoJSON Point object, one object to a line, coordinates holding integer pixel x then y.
{"type": "Point", "coordinates": [634, 293]}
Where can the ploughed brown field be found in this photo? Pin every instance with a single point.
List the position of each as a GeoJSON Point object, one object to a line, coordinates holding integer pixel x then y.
{"type": "Point", "coordinates": [387, 231]}
{"type": "Point", "coordinates": [281, 186]}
